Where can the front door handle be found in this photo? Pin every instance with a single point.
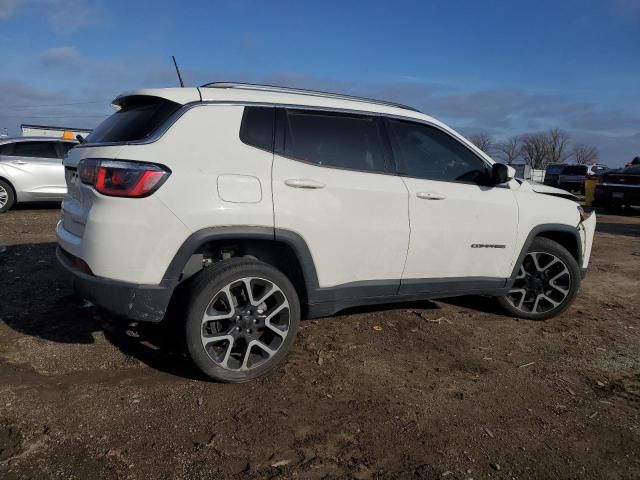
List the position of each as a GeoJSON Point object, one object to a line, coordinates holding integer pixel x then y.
{"type": "Point", "coordinates": [303, 183]}
{"type": "Point", "coordinates": [19, 162]}
{"type": "Point", "coordinates": [431, 196]}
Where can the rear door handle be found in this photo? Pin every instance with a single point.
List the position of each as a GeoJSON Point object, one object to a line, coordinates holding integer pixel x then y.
{"type": "Point", "coordinates": [431, 196]}
{"type": "Point", "coordinates": [19, 162]}
{"type": "Point", "coordinates": [303, 183]}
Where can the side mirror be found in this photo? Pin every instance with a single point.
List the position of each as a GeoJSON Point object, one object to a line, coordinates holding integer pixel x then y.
{"type": "Point", "coordinates": [501, 173]}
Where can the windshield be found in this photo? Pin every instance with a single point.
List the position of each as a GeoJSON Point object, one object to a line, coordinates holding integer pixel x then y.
{"type": "Point", "coordinates": [137, 120]}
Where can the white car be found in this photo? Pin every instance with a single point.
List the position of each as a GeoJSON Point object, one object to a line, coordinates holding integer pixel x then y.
{"type": "Point", "coordinates": [31, 170]}
{"type": "Point", "coordinates": [248, 207]}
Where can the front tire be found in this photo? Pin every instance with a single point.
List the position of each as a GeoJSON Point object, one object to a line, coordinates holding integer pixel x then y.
{"type": "Point", "coordinates": [546, 283]}
{"type": "Point", "coordinates": [7, 197]}
{"type": "Point", "coordinates": [242, 319]}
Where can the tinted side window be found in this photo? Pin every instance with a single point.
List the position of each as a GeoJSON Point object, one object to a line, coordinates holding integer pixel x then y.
{"type": "Point", "coordinates": [6, 149]}
{"type": "Point", "coordinates": [425, 152]}
{"type": "Point", "coordinates": [35, 149]}
{"type": "Point", "coordinates": [334, 139]}
{"type": "Point", "coordinates": [257, 127]}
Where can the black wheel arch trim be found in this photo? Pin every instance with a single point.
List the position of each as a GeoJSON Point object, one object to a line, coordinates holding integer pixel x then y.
{"type": "Point", "coordinates": [206, 235]}
{"type": "Point", "coordinates": [538, 231]}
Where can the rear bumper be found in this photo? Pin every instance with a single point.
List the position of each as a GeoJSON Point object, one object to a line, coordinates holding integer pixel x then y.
{"type": "Point", "coordinates": [604, 195]}
{"type": "Point", "coordinates": [146, 303]}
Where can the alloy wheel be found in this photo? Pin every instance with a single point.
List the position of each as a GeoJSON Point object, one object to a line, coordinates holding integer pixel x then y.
{"type": "Point", "coordinates": [245, 323]}
{"type": "Point", "coordinates": [4, 196]}
{"type": "Point", "coordinates": [542, 284]}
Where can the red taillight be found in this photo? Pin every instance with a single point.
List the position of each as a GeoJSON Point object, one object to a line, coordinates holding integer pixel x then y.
{"type": "Point", "coordinates": [120, 178]}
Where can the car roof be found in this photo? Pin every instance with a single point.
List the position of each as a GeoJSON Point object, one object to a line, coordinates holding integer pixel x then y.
{"type": "Point", "coordinates": [271, 94]}
{"type": "Point", "coordinates": [304, 91]}
{"type": "Point", "coordinates": [6, 140]}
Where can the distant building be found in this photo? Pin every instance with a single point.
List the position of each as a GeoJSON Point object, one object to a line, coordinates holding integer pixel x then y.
{"type": "Point", "coordinates": [48, 131]}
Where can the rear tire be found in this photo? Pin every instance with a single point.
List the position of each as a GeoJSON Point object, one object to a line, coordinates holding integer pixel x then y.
{"type": "Point", "coordinates": [7, 197]}
{"type": "Point", "coordinates": [242, 319]}
{"type": "Point", "coordinates": [546, 283]}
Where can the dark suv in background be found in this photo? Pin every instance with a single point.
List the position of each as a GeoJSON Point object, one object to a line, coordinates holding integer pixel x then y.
{"type": "Point", "coordinates": [619, 187]}
{"type": "Point", "coordinates": [571, 177]}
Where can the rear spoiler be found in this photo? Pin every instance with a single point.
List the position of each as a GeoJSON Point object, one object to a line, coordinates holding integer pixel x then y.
{"type": "Point", "coordinates": [181, 96]}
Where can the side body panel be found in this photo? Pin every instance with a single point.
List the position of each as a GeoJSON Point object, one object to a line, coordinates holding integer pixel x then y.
{"type": "Point", "coordinates": [465, 231]}
{"type": "Point", "coordinates": [540, 213]}
{"type": "Point", "coordinates": [356, 226]}
{"type": "Point", "coordinates": [209, 161]}
{"type": "Point", "coordinates": [34, 179]}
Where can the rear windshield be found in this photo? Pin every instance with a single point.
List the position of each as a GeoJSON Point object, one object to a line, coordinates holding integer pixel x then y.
{"type": "Point", "coordinates": [554, 169]}
{"type": "Point", "coordinates": [574, 170]}
{"type": "Point", "coordinates": [139, 118]}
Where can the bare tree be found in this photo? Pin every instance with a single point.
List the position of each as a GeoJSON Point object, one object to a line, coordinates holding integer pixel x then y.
{"type": "Point", "coordinates": [483, 141]}
{"type": "Point", "coordinates": [509, 150]}
{"type": "Point", "coordinates": [585, 154]}
{"type": "Point", "coordinates": [534, 149]}
{"type": "Point", "coordinates": [558, 146]}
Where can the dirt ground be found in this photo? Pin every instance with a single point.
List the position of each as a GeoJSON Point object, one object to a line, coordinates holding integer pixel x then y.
{"type": "Point", "coordinates": [443, 390]}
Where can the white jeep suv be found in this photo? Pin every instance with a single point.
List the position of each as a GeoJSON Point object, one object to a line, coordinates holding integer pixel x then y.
{"type": "Point", "coordinates": [257, 205]}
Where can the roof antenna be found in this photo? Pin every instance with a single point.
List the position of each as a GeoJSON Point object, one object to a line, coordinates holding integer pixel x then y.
{"type": "Point", "coordinates": [175, 64]}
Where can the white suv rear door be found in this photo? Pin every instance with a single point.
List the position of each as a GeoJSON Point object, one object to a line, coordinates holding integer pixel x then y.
{"type": "Point", "coordinates": [462, 232]}
{"type": "Point", "coordinates": [332, 187]}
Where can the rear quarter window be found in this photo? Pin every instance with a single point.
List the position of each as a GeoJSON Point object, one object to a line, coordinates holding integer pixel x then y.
{"type": "Point", "coordinates": [257, 127]}
{"type": "Point", "coordinates": [138, 119]}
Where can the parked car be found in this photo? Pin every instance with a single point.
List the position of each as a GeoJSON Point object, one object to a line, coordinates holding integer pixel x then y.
{"type": "Point", "coordinates": [248, 207]}
{"type": "Point", "coordinates": [552, 174]}
{"type": "Point", "coordinates": [31, 170]}
{"type": "Point", "coordinates": [572, 177]}
{"type": "Point", "coordinates": [619, 187]}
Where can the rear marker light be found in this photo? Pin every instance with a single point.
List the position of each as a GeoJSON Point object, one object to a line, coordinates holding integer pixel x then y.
{"type": "Point", "coordinates": [122, 178]}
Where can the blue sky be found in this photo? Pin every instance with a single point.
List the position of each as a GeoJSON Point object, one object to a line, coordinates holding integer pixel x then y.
{"type": "Point", "coordinates": [502, 67]}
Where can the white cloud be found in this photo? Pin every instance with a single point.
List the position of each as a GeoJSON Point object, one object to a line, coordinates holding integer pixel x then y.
{"type": "Point", "coordinates": [61, 57]}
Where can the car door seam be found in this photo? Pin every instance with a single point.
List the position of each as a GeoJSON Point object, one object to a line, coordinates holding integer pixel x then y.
{"type": "Point", "coordinates": [406, 256]}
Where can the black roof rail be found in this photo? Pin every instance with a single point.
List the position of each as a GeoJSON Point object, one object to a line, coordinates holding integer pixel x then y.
{"type": "Point", "coordinates": [304, 91]}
